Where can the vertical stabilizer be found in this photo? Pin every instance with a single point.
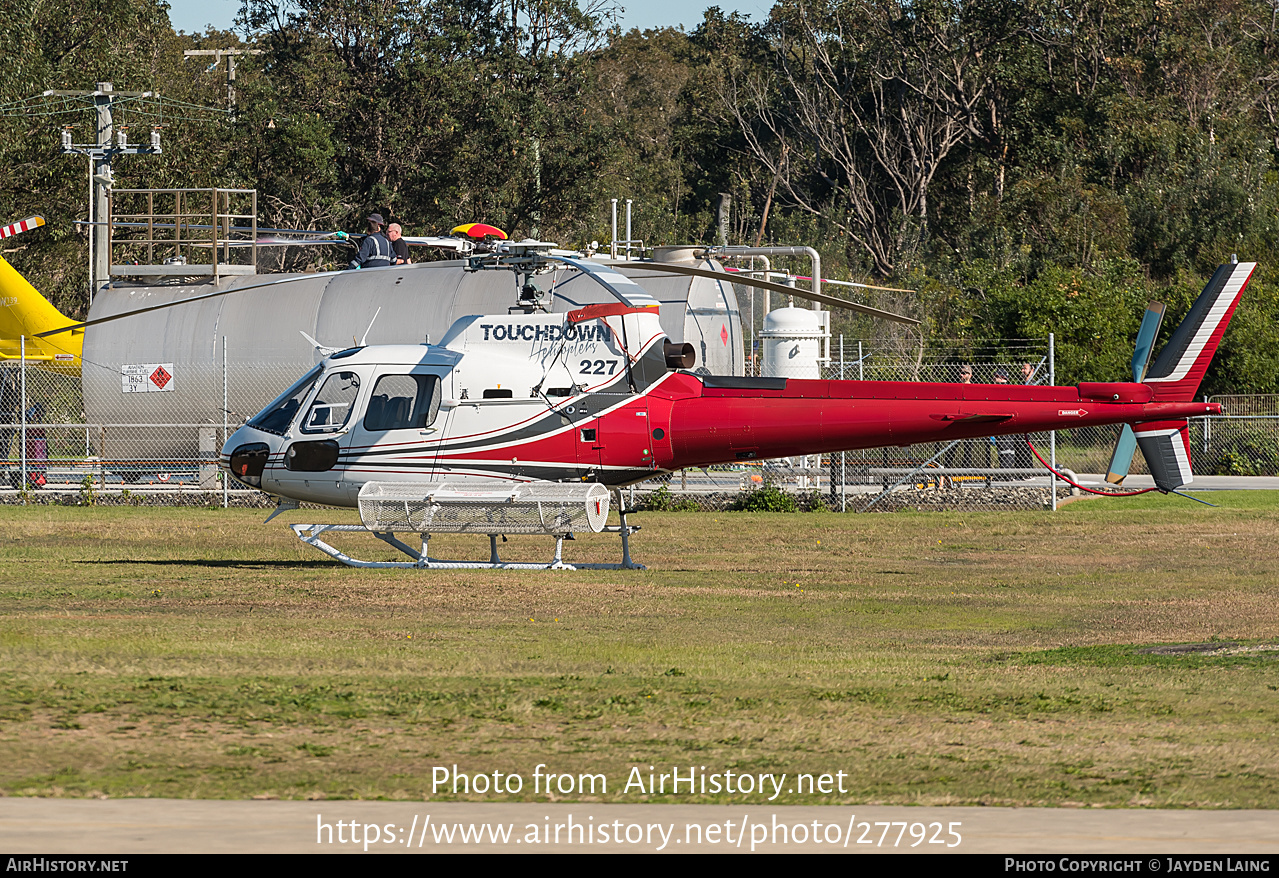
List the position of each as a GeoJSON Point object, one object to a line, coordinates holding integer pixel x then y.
{"type": "Point", "coordinates": [1176, 375]}
{"type": "Point", "coordinates": [1166, 447]}
{"type": "Point", "coordinates": [24, 312]}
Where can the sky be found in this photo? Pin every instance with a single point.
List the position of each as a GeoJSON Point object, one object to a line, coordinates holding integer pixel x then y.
{"type": "Point", "coordinates": [193, 16]}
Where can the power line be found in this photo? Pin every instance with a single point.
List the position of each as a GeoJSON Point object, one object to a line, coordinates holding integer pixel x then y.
{"type": "Point", "coordinates": [58, 103]}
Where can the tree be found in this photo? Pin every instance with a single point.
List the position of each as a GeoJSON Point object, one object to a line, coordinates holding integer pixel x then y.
{"type": "Point", "coordinates": [866, 100]}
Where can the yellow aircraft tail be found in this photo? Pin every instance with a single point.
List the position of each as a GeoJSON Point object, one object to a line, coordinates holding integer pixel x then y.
{"type": "Point", "coordinates": [24, 312]}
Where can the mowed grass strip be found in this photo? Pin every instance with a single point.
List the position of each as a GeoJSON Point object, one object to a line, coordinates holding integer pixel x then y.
{"type": "Point", "coordinates": [932, 658]}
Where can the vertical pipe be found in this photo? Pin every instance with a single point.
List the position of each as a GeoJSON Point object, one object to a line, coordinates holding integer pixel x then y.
{"type": "Point", "coordinates": [150, 227]}
{"type": "Point", "coordinates": [628, 230]}
{"type": "Point", "coordinates": [102, 99]}
{"type": "Point", "coordinates": [255, 230]}
{"type": "Point", "coordinates": [861, 375]}
{"type": "Point", "coordinates": [768, 299]}
{"type": "Point", "coordinates": [612, 247]}
{"type": "Point", "coordinates": [92, 231]}
{"type": "Point", "coordinates": [1207, 429]}
{"type": "Point", "coordinates": [1052, 437]}
{"type": "Point", "coordinates": [22, 403]}
{"type": "Point", "coordinates": [215, 234]}
{"type": "Point", "coordinates": [226, 486]}
{"type": "Point", "coordinates": [817, 278]}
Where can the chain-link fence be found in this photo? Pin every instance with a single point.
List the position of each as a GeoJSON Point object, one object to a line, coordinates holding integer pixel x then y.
{"type": "Point", "coordinates": [141, 434]}
{"type": "Point", "coordinates": [151, 433]}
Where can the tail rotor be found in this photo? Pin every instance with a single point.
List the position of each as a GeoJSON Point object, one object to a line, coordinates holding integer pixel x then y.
{"type": "Point", "coordinates": [1126, 446]}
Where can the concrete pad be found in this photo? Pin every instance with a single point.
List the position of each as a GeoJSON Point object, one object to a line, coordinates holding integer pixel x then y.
{"type": "Point", "coordinates": [136, 826]}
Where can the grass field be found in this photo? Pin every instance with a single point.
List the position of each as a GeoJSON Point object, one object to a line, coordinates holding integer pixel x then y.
{"type": "Point", "coordinates": [933, 658]}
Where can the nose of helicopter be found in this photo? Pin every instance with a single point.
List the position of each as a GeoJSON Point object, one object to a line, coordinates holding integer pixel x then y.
{"type": "Point", "coordinates": [246, 453]}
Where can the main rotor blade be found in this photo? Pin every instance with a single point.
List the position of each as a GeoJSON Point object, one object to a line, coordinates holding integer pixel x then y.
{"type": "Point", "coordinates": [201, 298]}
{"type": "Point", "coordinates": [26, 225]}
{"type": "Point", "coordinates": [262, 230]}
{"type": "Point", "coordinates": [626, 290]}
{"type": "Point", "coordinates": [826, 280]}
{"type": "Point", "coordinates": [829, 301]}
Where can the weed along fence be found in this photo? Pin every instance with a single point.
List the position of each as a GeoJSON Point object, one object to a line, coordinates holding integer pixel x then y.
{"type": "Point", "coordinates": [150, 433]}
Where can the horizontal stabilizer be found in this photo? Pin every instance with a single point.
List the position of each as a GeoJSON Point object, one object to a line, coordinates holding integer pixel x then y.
{"type": "Point", "coordinates": [1166, 447]}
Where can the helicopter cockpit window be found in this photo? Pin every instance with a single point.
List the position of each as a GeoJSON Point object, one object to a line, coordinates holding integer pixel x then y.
{"type": "Point", "coordinates": [332, 406]}
{"type": "Point", "coordinates": [276, 417]}
{"type": "Point", "coordinates": [403, 402]}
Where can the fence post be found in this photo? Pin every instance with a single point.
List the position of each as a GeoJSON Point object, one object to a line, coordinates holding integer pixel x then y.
{"type": "Point", "coordinates": [843, 455]}
{"type": "Point", "coordinates": [226, 486]}
{"type": "Point", "coordinates": [1052, 435]}
{"type": "Point", "coordinates": [22, 404]}
{"type": "Point", "coordinates": [1207, 429]}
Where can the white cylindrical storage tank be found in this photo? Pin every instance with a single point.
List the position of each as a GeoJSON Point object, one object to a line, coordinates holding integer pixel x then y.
{"type": "Point", "coordinates": [791, 342]}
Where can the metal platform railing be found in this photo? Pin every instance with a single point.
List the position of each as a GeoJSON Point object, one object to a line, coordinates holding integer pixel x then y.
{"type": "Point", "coordinates": [183, 232]}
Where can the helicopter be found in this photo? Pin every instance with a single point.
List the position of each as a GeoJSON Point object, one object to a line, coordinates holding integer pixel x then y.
{"type": "Point", "coordinates": [523, 422]}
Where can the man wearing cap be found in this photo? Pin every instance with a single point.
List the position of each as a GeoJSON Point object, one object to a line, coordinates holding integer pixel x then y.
{"type": "Point", "coordinates": [375, 250]}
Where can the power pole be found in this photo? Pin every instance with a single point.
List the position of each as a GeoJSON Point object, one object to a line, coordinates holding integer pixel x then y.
{"type": "Point", "coordinates": [230, 67]}
{"type": "Point", "coordinates": [100, 156]}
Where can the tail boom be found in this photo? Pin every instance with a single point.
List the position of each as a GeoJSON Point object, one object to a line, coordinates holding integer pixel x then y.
{"type": "Point", "coordinates": [725, 424]}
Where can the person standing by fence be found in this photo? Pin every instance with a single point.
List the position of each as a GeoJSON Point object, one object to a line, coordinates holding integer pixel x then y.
{"type": "Point", "coordinates": [37, 447]}
{"type": "Point", "coordinates": [963, 454]}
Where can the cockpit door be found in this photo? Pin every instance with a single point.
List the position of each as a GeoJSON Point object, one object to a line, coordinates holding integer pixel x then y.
{"type": "Point", "coordinates": [396, 437]}
{"type": "Point", "coordinates": [313, 457]}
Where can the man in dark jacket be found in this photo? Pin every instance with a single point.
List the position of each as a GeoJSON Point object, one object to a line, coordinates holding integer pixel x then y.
{"type": "Point", "coordinates": [396, 236]}
{"type": "Point", "coordinates": [375, 250]}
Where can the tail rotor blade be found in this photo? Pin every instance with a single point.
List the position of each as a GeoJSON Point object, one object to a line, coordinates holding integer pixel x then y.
{"type": "Point", "coordinates": [1121, 460]}
{"type": "Point", "coordinates": [1146, 335]}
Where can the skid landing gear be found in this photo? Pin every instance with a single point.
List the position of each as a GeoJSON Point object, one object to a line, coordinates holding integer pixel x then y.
{"type": "Point", "coordinates": [312, 534]}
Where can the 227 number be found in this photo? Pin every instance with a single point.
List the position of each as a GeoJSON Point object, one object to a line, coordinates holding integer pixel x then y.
{"type": "Point", "coordinates": [596, 367]}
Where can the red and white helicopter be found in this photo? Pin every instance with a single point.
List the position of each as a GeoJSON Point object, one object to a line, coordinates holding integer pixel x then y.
{"type": "Point", "coordinates": [524, 422]}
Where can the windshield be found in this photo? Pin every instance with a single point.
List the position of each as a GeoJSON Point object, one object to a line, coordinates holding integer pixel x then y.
{"type": "Point", "coordinates": [276, 417]}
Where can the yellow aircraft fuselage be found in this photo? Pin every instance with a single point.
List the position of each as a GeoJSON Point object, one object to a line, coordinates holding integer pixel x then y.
{"type": "Point", "coordinates": [23, 313]}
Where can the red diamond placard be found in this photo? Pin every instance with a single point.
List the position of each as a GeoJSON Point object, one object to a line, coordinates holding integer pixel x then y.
{"type": "Point", "coordinates": [160, 377]}
{"type": "Point", "coordinates": [723, 334]}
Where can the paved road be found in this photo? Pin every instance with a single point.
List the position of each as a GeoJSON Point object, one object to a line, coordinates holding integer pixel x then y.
{"type": "Point", "coordinates": [1201, 483]}
{"type": "Point", "coordinates": [59, 826]}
